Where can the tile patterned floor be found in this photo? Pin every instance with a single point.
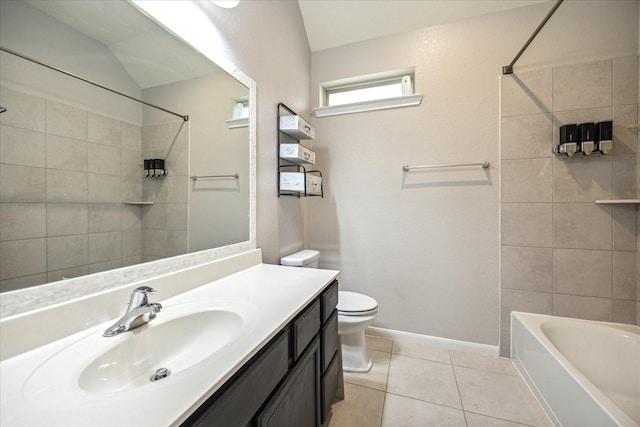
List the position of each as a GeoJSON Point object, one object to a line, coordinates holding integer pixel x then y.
{"type": "Point", "coordinates": [419, 385]}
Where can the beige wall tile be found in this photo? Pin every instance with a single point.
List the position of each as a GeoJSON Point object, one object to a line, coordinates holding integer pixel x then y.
{"type": "Point", "coordinates": [22, 258]}
{"type": "Point", "coordinates": [22, 147]}
{"type": "Point", "coordinates": [104, 217]}
{"type": "Point", "coordinates": [165, 136]}
{"type": "Point", "coordinates": [526, 268]}
{"type": "Point", "coordinates": [169, 216]}
{"type": "Point", "coordinates": [625, 80]}
{"type": "Point", "coordinates": [625, 279]}
{"type": "Point", "coordinates": [131, 136]}
{"type": "Point", "coordinates": [170, 189]}
{"type": "Point", "coordinates": [131, 243]}
{"type": "Point", "coordinates": [22, 282]}
{"type": "Point", "coordinates": [105, 265]}
{"type": "Point", "coordinates": [22, 184]}
{"type": "Point", "coordinates": [104, 130]}
{"type": "Point", "coordinates": [65, 219]}
{"type": "Point", "coordinates": [66, 186]}
{"type": "Point", "coordinates": [131, 188]}
{"type": "Point", "coordinates": [530, 302]}
{"type": "Point", "coordinates": [67, 273]}
{"type": "Point", "coordinates": [132, 164]}
{"type": "Point", "coordinates": [22, 221]}
{"type": "Point", "coordinates": [582, 272]}
{"type": "Point", "coordinates": [23, 111]}
{"type": "Point", "coordinates": [582, 226]}
{"type": "Point", "coordinates": [624, 228]}
{"type": "Point", "coordinates": [581, 86]}
{"type": "Point", "coordinates": [624, 311]}
{"type": "Point", "coordinates": [526, 180]}
{"type": "Point", "coordinates": [580, 180]}
{"type": "Point", "coordinates": [132, 217]}
{"type": "Point", "coordinates": [105, 159]}
{"type": "Point", "coordinates": [526, 93]}
{"type": "Point", "coordinates": [67, 251]}
{"type": "Point", "coordinates": [526, 137]}
{"type": "Point", "coordinates": [625, 176]}
{"type": "Point", "coordinates": [65, 120]}
{"type": "Point", "coordinates": [526, 224]}
{"type": "Point", "coordinates": [104, 188]}
{"type": "Point", "coordinates": [625, 137]}
{"type": "Point", "coordinates": [66, 153]}
{"type": "Point", "coordinates": [105, 246]}
{"type": "Point", "coordinates": [581, 307]}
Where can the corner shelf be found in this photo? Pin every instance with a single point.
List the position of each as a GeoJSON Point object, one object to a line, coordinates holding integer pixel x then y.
{"type": "Point", "coordinates": [137, 203]}
{"type": "Point", "coordinates": [306, 181]}
{"type": "Point", "coordinates": [618, 202]}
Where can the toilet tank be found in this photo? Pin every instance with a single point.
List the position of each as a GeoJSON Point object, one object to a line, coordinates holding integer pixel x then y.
{"type": "Point", "coordinates": [307, 258]}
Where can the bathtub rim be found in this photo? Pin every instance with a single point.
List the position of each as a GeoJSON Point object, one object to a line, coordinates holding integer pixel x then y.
{"type": "Point", "coordinates": [533, 323]}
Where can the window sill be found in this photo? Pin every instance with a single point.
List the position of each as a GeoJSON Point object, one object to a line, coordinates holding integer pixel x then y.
{"type": "Point", "coordinates": [361, 107]}
{"type": "Point", "coordinates": [237, 123]}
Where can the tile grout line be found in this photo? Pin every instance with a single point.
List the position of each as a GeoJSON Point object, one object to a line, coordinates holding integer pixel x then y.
{"type": "Point", "coordinates": [455, 378]}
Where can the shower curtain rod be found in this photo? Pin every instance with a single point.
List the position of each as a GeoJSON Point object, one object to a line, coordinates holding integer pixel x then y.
{"type": "Point", "coordinates": [508, 69]}
{"type": "Point", "coordinates": [13, 52]}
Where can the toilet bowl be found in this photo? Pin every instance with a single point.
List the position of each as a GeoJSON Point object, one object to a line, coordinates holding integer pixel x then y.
{"type": "Point", "coordinates": [355, 312]}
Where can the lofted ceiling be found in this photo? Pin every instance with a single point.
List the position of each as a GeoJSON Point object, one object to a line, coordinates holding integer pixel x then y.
{"type": "Point", "coordinates": [150, 55]}
{"type": "Point", "coordinates": [331, 23]}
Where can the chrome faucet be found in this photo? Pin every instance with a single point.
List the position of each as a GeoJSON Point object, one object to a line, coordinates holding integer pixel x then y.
{"type": "Point", "coordinates": [139, 312]}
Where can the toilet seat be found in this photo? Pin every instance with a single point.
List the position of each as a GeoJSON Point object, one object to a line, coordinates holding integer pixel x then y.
{"type": "Point", "coordinates": [355, 304]}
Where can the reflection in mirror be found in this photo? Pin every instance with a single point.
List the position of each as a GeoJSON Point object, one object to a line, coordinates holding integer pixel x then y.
{"type": "Point", "coordinates": [75, 197]}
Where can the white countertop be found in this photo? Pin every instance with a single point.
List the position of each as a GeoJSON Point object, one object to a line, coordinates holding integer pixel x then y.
{"type": "Point", "coordinates": [274, 295]}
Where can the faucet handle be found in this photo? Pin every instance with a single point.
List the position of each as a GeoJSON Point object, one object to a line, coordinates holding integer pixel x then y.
{"type": "Point", "coordinates": [140, 296]}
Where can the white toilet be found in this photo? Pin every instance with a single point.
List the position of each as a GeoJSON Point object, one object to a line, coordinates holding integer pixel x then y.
{"type": "Point", "coordinates": [355, 312]}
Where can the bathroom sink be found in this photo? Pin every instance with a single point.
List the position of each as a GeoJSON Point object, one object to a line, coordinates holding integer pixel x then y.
{"type": "Point", "coordinates": [179, 337]}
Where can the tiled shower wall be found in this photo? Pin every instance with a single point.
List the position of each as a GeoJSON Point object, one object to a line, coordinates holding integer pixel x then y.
{"type": "Point", "coordinates": [64, 175]}
{"type": "Point", "coordinates": [164, 224]}
{"type": "Point", "coordinates": [561, 253]}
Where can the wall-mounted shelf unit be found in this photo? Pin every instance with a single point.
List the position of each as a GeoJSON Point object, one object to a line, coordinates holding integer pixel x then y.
{"type": "Point", "coordinates": [138, 203]}
{"type": "Point", "coordinates": [293, 177]}
{"type": "Point", "coordinates": [618, 202]}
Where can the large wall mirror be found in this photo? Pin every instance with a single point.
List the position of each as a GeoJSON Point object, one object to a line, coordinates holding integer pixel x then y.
{"type": "Point", "coordinates": [82, 187]}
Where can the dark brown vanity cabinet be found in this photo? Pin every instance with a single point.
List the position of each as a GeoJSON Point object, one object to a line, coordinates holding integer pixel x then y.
{"type": "Point", "coordinates": [291, 382]}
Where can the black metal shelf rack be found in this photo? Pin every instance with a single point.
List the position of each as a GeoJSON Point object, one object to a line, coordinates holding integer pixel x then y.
{"type": "Point", "coordinates": [284, 164]}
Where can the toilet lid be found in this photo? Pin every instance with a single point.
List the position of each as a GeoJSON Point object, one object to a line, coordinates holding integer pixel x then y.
{"type": "Point", "coordinates": [352, 302]}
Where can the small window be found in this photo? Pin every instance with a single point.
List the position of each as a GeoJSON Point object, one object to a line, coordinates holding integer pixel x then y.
{"type": "Point", "coordinates": [367, 93]}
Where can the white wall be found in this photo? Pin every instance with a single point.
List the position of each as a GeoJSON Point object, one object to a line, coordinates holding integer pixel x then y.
{"type": "Point", "coordinates": [426, 245]}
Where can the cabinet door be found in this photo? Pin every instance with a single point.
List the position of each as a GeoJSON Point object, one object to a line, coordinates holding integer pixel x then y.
{"type": "Point", "coordinates": [296, 403]}
{"type": "Point", "coordinates": [236, 404]}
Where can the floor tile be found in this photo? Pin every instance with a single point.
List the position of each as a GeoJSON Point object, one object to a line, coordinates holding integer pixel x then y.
{"type": "Point", "coordinates": [467, 359]}
{"type": "Point", "coordinates": [421, 351]}
{"type": "Point", "coordinates": [402, 411]}
{"type": "Point", "coordinates": [423, 379]}
{"type": "Point", "coordinates": [477, 420]}
{"type": "Point", "coordinates": [498, 395]}
{"type": "Point", "coordinates": [379, 343]}
{"type": "Point", "coordinates": [376, 377]}
{"type": "Point", "coordinates": [361, 407]}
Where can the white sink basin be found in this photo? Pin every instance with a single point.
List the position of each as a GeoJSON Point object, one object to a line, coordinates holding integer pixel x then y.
{"type": "Point", "coordinates": [179, 337]}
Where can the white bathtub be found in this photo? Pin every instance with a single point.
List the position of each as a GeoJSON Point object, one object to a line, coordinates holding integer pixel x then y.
{"type": "Point", "coordinates": [584, 373]}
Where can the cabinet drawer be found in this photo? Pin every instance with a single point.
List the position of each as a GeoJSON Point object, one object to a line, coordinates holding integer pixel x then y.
{"type": "Point", "coordinates": [237, 403]}
{"type": "Point", "coordinates": [305, 327]}
{"type": "Point", "coordinates": [329, 338]}
{"type": "Point", "coordinates": [329, 388]}
{"type": "Point", "coordinates": [329, 300]}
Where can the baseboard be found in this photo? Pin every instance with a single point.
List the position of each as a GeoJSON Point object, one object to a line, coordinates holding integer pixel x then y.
{"type": "Point", "coordinates": [448, 343]}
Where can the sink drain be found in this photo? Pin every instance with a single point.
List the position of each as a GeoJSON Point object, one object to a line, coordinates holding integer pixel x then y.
{"type": "Point", "coordinates": [160, 374]}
